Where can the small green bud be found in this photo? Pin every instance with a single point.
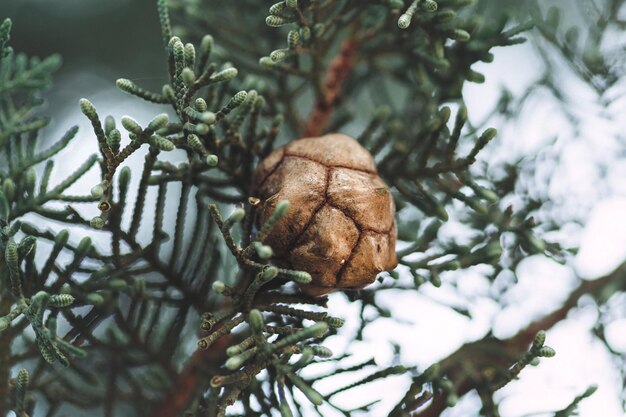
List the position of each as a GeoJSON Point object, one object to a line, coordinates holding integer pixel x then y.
{"type": "Point", "coordinates": [276, 21]}
{"type": "Point", "coordinates": [572, 36]}
{"type": "Point", "coordinates": [546, 352]}
{"type": "Point", "coordinates": [159, 122]}
{"type": "Point", "coordinates": [475, 77]}
{"type": "Point", "coordinates": [200, 105]}
{"type": "Point", "coordinates": [97, 222]}
{"type": "Point", "coordinates": [30, 180]}
{"type": "Point", "coordinates": [319, 29]}
{"type": "Point", "coordinates": [234, 363]}
{"type": "Point", "coordinates": [553, 17]}
{"type": "Point", "coordinates": [293, 39]}
{"type": "Point", "coordinates": [590, 390]}
{"type": "Point", "coordinates": [446, 385]}
{"type": "Point", "coordinates": [206, 44]}
{"type": "Point", "coordinates": [477, 206]}
{"type": "Point", "coordinates": [218, 286]}
{"type": "Point", "coordinates": [540, 338]}
{"type": "Point", "coordinates": [189, 77]}
{"type": "Point", "coordinates": [199, 129]}
{"type": "Point", "coordinates": [310, 393]}
{"type": "Point", "coordinates": [535, 244]}
{"type": "Point", "coordinates": [123, 84]}
{"type": "Point", "coordinates": [4, 323]}
{"type": "Point", "coordinates": [266, 62]}
{"type": "Point", "coordinates": [109, 124]}
{"type": "Point", "coordinates": [140, 286]}
{"type": "Point", "coordinates": [279, 55]}
{"type": "Point", "coordinates": [494, 250]}
{"type": "Point", "coordinates": [124, 178]}
{"type": "Point", "coordinates": [113, 139]}
{"type": "Point", "coordinates": [131, 125]}
{"type": "Point", "coordinates": [435, 279]}
{"type": "Point", "coordinates": [169, 93]}
{"type": "Point", "coordinates": [97, 191]}
{"type": "Point", "coordinates": [95, 299]}
{"type": "Point", "coordinates": [61, 300]}
{"type": "Point", "coordinates": [292, 4]}
{"type": "Point", "coordinates": [88, 109]}
{"type": "Point", "coordinates": [224, 75]}
{"type": "Point", "coordinates": [270, 273]}
{"type": "Point", "coordinates": [305, 33]}
{"type": "Point", "coordinates": [319, 329]}
{"type": "Point", "coordinates": [26, 245]}
{"type": "Point", "coordinates": [9, 189]}
{"type": "Point", "coordinates": [285, 411]}
{"type": "Point", "coordinates": [277, 8]}
{"type": "Point", "coordinates": [40, 299]}
{"type": "Point", "coordinates": [236, 216]}
{"type": "Point", "coordinates": [335, 322]}
{"type": "Point", "coordinates": [21, 382]}
{"type": "Point", "coordinates": [534, 362]}
{"type": "Point", "coordinates": [177, 48]}
{"type": "Point", "coordinates": [487, 57]}
{"type": "Point", "coordinates": [62, 237]}
{"type": "Point", "coordinates": [240, 97]}
{"type": "Point", "coordinates": [489, 134]}
{"type": "Point", "coordinates": [84, 246]}
{"type": "Point", "coordinates": [445, 16]}
{"type": "Point", "coordinates": [429, 5]}
{"type": "Point", "coordinates": [233, 350]}
{"type": "Point", "coordinates": [281, 208]}
{"type": "Point", "coordinates": [460, 35]}
{"type": "Point", "coordinates": [431, 373]}
{"type": "Point", "coordinates": [161, 143]}
{"type": "Point", "coordinates": [264, 251]}
{"type": "Point", "coordinates": [190, 55]}
{"type": "Point", "coordinates": [207, 117]}
{"type": "Point", "coordinates": [452, 400]}
{"type": "Point", "coordinates": [404, 21]}
{"type": "Point", "coordinates": [301, 277]}
{"type": "Point", "coordinates": [117, 284]}
{"type": "Point", "coordinates": [255, 318]}
{"type": "Point", "coordinates": [5, 207]}
{"type": "Point", "coordinates": [212, 160]}
{"type": "Point", "coordinates": [396, 4]}
{"type": "Point", "coordinates": [322, 351]}
{"type": "Point", "coordinates": [486, 194]}
{"type": "Point", "coordinates": [194, 143]}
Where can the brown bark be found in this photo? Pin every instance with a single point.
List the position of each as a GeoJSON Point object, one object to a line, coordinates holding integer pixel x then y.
{"type": "Point", "coordinates": [196, 373]}
{"type": "Point", "coordinates": [338, 70]}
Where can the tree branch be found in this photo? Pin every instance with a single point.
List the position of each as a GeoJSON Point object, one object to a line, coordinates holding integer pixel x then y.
{"type": "Point", "coordinates": [197, 372]}
{"type": "Point", "coordinates": [469, 366]}
{"type": "Point", "coordinates": [337, 72]}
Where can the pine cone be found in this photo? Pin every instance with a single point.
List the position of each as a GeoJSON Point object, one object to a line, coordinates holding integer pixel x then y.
{"type": "Point", "coordinates": [340, 227]}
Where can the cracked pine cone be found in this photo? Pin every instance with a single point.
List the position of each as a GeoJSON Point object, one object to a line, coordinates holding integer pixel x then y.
{"type": "Point", "coordinates": [340, 227]}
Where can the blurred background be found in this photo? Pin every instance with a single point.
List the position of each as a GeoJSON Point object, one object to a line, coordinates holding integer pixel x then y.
{"type": "Point", "coordinates": [571, 135]}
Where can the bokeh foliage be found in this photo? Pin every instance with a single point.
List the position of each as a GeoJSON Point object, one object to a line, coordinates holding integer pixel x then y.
{"type": "Point", "coordinates": [390, 72]}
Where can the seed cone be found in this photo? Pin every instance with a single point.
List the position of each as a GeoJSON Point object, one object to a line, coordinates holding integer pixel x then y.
{"type": "Point", "coordinates": [340, 227]}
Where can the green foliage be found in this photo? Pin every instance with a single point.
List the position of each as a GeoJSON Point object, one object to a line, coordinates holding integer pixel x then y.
{"type": "Point", "coordinates": [390, 72]}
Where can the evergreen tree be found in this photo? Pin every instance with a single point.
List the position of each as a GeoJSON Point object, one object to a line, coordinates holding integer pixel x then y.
{"type": "Point", "coordinates": [193, 306]}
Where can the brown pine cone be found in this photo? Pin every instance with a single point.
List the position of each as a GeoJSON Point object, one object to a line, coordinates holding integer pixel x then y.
{"type": "Point", "coordinates": [340, 226]}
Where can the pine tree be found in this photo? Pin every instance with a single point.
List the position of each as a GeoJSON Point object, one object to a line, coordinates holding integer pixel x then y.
{"type": "Point", "coordinates": [191, 308]}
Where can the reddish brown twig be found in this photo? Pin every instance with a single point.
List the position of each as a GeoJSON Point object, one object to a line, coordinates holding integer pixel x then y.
{"type": "Point", "coordinates": [490, 353]}
{"type": "Point", "coordinates": [338, 70]}
{"type": "Point", "coordinates": [197, 369]}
